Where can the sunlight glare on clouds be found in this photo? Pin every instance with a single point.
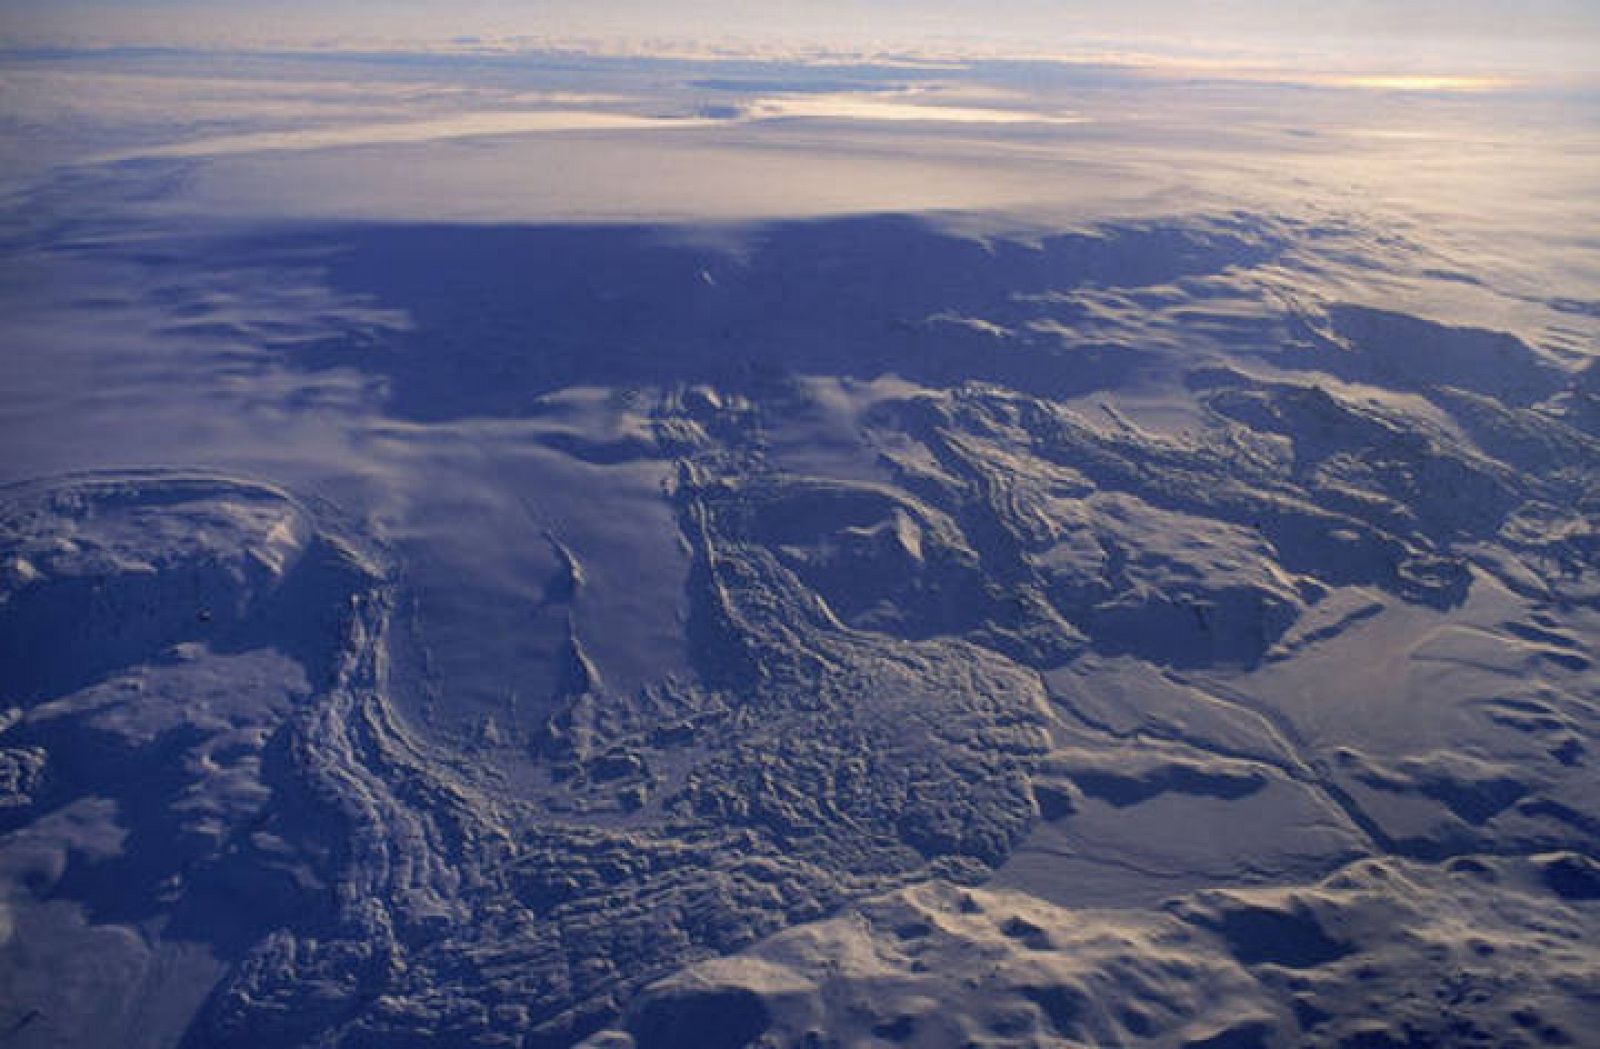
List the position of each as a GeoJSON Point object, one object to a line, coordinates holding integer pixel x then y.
{"type": "Point", "coordinates": [1423, 82]}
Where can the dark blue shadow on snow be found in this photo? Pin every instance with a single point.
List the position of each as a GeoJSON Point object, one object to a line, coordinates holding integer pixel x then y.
{"type": "Point", "coordinates": [504, 314]}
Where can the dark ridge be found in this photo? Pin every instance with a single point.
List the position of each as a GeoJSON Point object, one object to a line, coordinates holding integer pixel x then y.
{"type": "Point", "coordinates": [714, 1018]}
{"type": "Point", "coordinates": [1292, 938]}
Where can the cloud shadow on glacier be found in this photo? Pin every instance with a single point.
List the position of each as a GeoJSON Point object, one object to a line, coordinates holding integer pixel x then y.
{"type": "Point", "coordinates": [504, 314]}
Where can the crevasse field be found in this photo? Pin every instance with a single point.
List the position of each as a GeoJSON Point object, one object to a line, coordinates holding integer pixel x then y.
{"type": "Point", "coordinates": [535, 548]}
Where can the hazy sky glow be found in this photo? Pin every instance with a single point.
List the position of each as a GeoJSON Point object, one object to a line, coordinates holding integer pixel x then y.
{"type": "Point", "coordinates": [1442, 35]}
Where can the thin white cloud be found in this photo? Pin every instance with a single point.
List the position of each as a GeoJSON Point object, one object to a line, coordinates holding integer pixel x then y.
{"type": "Point", "coordinates": [869, 107]}
{"type": "Point", "coordinates": [501, 122]}
{"type": "Point", "coordinates": [465, 125]}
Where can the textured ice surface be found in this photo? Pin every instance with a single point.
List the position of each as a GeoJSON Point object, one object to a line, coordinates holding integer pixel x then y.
{"type": "Point", "coordinates": [1380, 953]}
{"type": "Point", "coordinates": [866, 630]}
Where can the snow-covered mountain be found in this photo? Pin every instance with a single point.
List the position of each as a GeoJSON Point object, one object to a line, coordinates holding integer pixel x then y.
{"type": "Point", "coordinates": [768, 568]}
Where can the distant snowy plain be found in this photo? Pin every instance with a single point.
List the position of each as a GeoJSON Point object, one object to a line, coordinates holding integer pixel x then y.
{"type": "Point", "coordinates": [538, 549]}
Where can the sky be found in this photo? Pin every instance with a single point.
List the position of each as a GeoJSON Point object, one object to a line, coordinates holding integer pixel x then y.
{"type": "Point", "coordinates": [1413, 31]}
